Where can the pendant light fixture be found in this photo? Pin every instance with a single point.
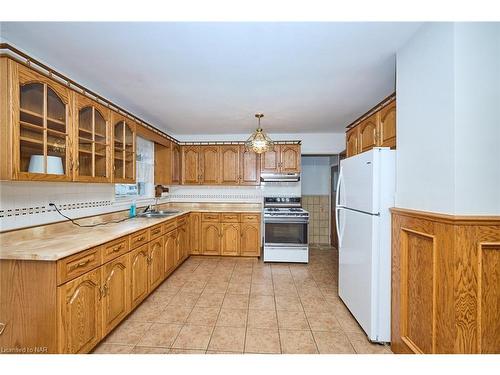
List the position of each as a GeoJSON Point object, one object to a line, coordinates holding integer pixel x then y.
{"type": "Point", "coordinates": [259, 141]}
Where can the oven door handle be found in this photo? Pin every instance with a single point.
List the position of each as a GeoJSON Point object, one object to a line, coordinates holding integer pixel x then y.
{"type": "Point", "coordinates": [278, 221]}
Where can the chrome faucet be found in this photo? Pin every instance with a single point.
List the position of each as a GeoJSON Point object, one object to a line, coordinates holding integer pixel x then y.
{"type": "Point", "coordinates": [159, 190]}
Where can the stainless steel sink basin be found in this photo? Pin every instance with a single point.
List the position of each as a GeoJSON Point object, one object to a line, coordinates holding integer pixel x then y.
{"type": "Point", "coordinates": [156, 214]}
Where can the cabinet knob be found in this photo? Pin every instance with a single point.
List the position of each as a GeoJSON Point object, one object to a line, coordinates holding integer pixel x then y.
{"type": "Point", "coordinates": [2, 327]}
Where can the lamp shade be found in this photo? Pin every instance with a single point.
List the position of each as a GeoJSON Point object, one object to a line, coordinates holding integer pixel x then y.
{"type": "Point", "coordinates": [54, 164]}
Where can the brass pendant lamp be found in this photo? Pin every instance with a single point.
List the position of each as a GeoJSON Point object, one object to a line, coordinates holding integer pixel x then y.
{"type": "Point", "coordinates": [259, 141]}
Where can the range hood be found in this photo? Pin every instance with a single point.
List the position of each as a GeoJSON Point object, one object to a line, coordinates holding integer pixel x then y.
{"type": "Point", "coordinates": [280, 177]}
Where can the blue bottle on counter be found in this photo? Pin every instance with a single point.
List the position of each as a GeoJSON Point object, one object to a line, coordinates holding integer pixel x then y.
{"type": "Point", "coordinates": [132, 209]}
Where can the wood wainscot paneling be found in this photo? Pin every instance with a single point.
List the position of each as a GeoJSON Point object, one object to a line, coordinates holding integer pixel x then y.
{"type": "Point", "coordinates": [445, 283]}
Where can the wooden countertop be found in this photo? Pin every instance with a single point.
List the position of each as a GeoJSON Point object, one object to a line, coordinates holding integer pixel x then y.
{"type": "Point", "coordinates": [56, 241]}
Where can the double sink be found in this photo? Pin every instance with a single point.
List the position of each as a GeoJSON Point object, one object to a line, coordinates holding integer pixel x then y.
{"type": "Point", "coordinates": [156, 214]}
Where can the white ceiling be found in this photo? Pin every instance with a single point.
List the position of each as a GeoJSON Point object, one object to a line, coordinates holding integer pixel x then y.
{"type": "Point", "coordinates": [210, 78]}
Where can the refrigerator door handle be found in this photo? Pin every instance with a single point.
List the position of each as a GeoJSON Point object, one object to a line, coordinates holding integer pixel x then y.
{"type": "Point", "coordinates": [337, 193]}
{"type": "Point", "coordinates": [337, 222]}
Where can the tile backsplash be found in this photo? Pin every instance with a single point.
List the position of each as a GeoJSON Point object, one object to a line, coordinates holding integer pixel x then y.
{"type": "Point", "coordinates": [25, 204]}
{"type": "Point", "coordinates": [319, 218]}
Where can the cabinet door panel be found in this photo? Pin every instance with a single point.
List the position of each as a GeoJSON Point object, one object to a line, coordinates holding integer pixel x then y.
{"type": "Point", "coordinates": [210, 238]}
{"type": "Point", "coordinates": [230, 239]}
{"type": "Point", "coordinates": [191, 165]}
{"type": "Point", "coordinates": [183, 242]}
{"type": "Point", "coordinates": [352, 142]}
{"type": "Point", "coordinates": [170, 247]}
{"type": "Point", "coordinates": [230, 165]}
{"type": "Point", "coordinates": [388, 126]}
{"type": "Point", "coordinates": [368, 133]}
{"type": "Point", "coordinates": [80, 313]}
{"type": "Point", "coordinates": [249, 167]}
{"type": "Point", "coordinates": [270, 160]}
{"type": "Point", "coordinates": [176, 164]}
{"type": "Point", "coordinates": [139, 274]}
{"type": "Point", "coordinates": [116, 288]}
{"type": "Point", "coordinates": [156, 263]}
{"type": "Point", "coordinates": [290, 158]}
{"type": "Point", "coordinates": [163, 164]}
{"type": "Point", "coordinates": [194, 233]}
{"type": "Point", "coordinates": [210, 169]}
{"type": "Point", "coordinates": [250, 239]}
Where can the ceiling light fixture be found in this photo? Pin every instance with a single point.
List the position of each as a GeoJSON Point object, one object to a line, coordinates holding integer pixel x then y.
{"type": "Point", "coordinates": [259, 141]}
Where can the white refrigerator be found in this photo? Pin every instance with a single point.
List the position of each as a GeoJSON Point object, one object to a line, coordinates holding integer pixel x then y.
{"type": "Point", "coordinates": [365, 192]}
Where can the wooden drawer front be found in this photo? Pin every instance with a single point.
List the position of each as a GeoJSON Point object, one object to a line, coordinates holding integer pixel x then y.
{"type": "Point", "coordinates": [230, 218]}
{"type": "Point", "coordinates": [75, 265]}
{"type": "Point", "coordinates": [114, 249]}
{"type": "Point", "coordinates": [156, 231]}
{"type": "Point", "coordinates": [250, 218]}
{"type": "Point", "coordinates": [139, 239]}
{"type": "Point", "coordinates": [182, 220]}
{"type": "Point", "coordinates": [214, 218]}
{"type": "Point", "coordinates": [169, 226]}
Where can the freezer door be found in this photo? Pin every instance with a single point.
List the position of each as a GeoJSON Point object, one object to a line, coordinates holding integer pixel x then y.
{"type": "Point", "coordinates": [359, 233]}
{"type": "Point", "coordinates": [358, 182]}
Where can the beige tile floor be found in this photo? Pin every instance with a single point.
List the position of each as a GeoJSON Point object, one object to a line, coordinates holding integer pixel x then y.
{"type": "Point", "coordinates": [241, 305]}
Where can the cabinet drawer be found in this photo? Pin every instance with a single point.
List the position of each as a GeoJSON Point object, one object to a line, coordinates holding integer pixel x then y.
{"type": "Point", "coordinates": [75, 265]}
{"type": "Point", "coordinates": [114, 249]}
{"type": "Point", "coordinates": [169, 226]}
{"type": "Point", "coordinates": [250, 218]}
{"type": "Point", "coordinates": [156, 231]}
{"type": "Point", "coordinates": [182, 220]}
{"type": "Point", "coordinates": [230, 218]}
{"type": "Point", "coordinates": [139, 238]}
{"type": "Point", "coordinates": [206, 216]}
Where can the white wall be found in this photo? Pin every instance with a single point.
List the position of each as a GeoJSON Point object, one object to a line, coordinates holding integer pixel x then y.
{"type": "Point", "coordinates": [312, 143]}
{"type": "Point", "coordinates": [315, 175]}
{"type": "Point", "coordinates": [477, 118]}
{"type": "Point", "coordinates": [447, 120]}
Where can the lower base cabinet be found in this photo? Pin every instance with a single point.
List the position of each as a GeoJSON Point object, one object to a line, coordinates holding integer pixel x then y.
{"type": "Point", "coordinates": [80, 316]}
{"type": "Point", "coordinates": [139, 280]}
{"type": "Point", "coordinates": [70, 305]}
{"type": "Point", "coordinates": [116, 292]}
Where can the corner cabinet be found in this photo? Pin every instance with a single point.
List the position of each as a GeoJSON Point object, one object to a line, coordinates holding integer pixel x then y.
{"type": "Point", "coordinates": [35, 126]}
{"type": "Point", "coordinates": [92, 141]}
{"type": "Point", "coordinates": [124, 149]}
{"type": "Point", "coordinates": [376, 130]}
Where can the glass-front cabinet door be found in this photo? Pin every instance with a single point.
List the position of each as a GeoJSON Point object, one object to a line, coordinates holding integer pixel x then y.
{"type": "Point", "coordinates": [93, 138]}
{"type": "Point", "coordinates": [43, 129]}
{"type": "Point", "coordinates": [124, 149]}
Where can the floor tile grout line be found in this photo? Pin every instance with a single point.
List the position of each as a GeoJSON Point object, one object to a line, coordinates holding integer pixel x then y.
{"type": "Point", "coordinates": [276, 310]}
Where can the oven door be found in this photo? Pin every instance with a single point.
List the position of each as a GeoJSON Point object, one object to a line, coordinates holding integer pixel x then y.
{"type": "Point", "coordinates": [285, 232]}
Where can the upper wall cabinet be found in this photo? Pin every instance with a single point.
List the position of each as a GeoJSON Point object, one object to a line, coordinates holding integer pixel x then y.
{"type": "Point", "coordinates": [191, 165]}
{"type": "Point", "coordinates": [35, 126]}
{"type": "Point", "coordinates": [92, 141]}
{"type": "Point", "coordinates": [163, 164]}
{"type": "Point", "coordinates": [210, 165]}
{"type": "Point", "coordinates": [377, 130]}
{"type": "Point", "coordinates": [249, 167]}
{"type": "Point", "coordinates": [124, 134]}
{"type": "Point", "coordinates": [230, 164]}
{"type": "Point", "coordinates": [176, 161]}
{"type": "Point", "coordinates": [285, 158]}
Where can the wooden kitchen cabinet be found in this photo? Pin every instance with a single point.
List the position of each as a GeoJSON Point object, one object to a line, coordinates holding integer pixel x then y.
{"type": "Point", "coordinates": [191, 165]}
{"type": "Point", "coordinates": [352, 142]}
{"type": "Point", "coordinates": [195, 232]}
{"type": "Point", "coordinates": [230, 165]}
{"type": "Point", "coordinates": [176, 160]}
{"type": "Point", "coordinates": [124, 149]}
{"type": "Point", "coordinates": [387, 127]}
{"type": "Point", "coordinates": [80, 315]}
{"type": "Point", "coordinates": [376, 130]}
{"type": "Point", "coordinates": [230, 238]}
{"type": "Point", "coordinates": [249, 167]}
{"type": "Point", "coordinates": [170, 245]}
{"type": "Point", "coordinates": [183, 242]}
{"type": "Point", "coordinates": [139, 279]}
{"type": "Point", "coordinates": [250, 239]}
{"type": "Point", "coordinates": [285, 158]}
{"type": "Point", "coordinates": [92, 140]}
{"type": "Point", "coordinates": [163, 164]}
{"type": "Point", "coordinates": [210, 165]}
{"type": "Point", "coordinates": [35, 126]}
{"type": "Point", "coordinates": [156, 263]}
{"type": "Point", "coordinates": [368, 133]}
{"type": "Point", "coordinates": [290, 161]}
{"type": "Point", "coordinates": [210, 238]}
{"type": "Point", "coordinates": [116, 292]}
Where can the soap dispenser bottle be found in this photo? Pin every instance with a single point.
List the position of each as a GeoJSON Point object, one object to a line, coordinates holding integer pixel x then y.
{"type": "Point", "coordinates": [132, 211]}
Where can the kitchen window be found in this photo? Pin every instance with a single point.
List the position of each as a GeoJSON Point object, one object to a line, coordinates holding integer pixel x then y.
{"type": "Point", "coordinates": [144, 161]}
